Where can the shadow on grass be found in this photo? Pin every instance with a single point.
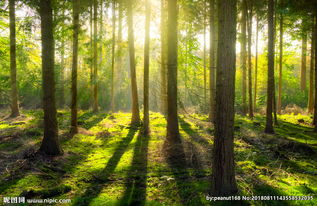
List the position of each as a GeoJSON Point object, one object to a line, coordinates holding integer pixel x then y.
{"type": "Point", "coordinates": [90, 119]}
{"type": "Point", "coordinates": [135, 193]}
{"type": "Point", "coordinates": [193, 134]}
{"type": "Point", "coordinates": [67, 165]}
{"type": "Point", "coordinates": [176, 159]}
{"type": "Point", "coordinates": [94, 189]}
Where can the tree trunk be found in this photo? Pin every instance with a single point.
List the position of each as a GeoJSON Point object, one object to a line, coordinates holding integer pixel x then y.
{"type": "Point", "coordinates": [250, 15]}
{"type": "Point", "coordinates": [172, 38]}
{"type": "Point", "coordinates": [303, 66]}
{"type": "Point", "coordinates": [256, 63]}
{"type": "Point", "coordinates": [204, 57]}
{"type": "Point", "coordinates": [146, 67]}
{"type": "Point", "coordinates": [244, 56]}
{"type": "Point", "coordinates": [62, 84]}
{"type": "Point", "coordinates": [91, 57]}
{"type": "Point", "coordinates": [279, 100]}
{"type": "Point", "coordinates": [50, 144]}
{"type": "Point", "coordinates": [270, 79]}
{"type": "Point", "coordinates": [315, 103]}
{"type": "Point", "coordinates": [113, 53]}
{"type": "Point", "coordinates": [95, 60]}
{"type": "Point", "coordinates": [13, 68]}
{"type": "Point", "coordinates": [74, 128]}
{"type": "Point", "coordinates": [223, 174]}
{"type": "Point", "coordinates": [163, 58]}
{"type": "Point", "coordinates": [212, 61]}
{"type": "Point", "coordinates": [311, 72]}
{"type": "Point", "coordinates": [135, 104]}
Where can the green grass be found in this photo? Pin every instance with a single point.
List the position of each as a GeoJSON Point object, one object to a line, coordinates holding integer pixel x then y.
{"type": "Point", "coordinates": [111, 163]}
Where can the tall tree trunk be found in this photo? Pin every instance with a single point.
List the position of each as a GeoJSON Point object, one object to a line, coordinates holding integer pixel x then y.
{"type": "Point", "coordinates": [270, 79]}
{"type": "Point", "coordinates": [279, 99]}
{"type": "Point", "coordinates": [244, 56]}
{"type": "Point", "coordinates": [95, 60]}
{"type": "Point", "coordinates": [91, 57]}
{"type": "Point", "coordinates": [172, 38]}
{"type": "Point", "coordinates": [315, 103]}
{"type": "Point", "coordinates": [311, 72]}
{"type": "Point", "coordinates": [163, 58]}
{"type": "Point", "coordinates": [74, 128]}
{"type": "Point", "coordinates": [256, 62]}
{"type": "Point", "coordinates": [303, 66]}
{"type": "Point", "coordinates": [119, 54]}
{"type": "Point", "coordinates": [250, 15]}
{"type": "Point", "coordinates": [212, 63]}
{"type": "Point", "coordinates": [223, 172]}
{"type": "Point", "coordinates": [13, 68]}
{"type": "Point", "coordinates": [135, 102]}
{"type": "Point", "coordinates": [205, 61]}
{"type": "Point", "coordinates": [113, 53]}
{"type": "Point", "coordinates": [62, 84]}
{"type": "Point", "coordinates": [146, 67]}
{"type": "Point", "coordinates": [50, 144]}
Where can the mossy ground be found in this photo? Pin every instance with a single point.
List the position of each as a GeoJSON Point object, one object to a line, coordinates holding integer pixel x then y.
{"type": "Point", "coordinates": [111, 163]}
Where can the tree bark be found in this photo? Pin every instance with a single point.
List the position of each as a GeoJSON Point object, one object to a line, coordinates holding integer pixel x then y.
{"type": "Point", "coordinates": [223, 172]}
{"type": "Point", "coordinates": [244, 56]}
{"type": "Point", "coordinates": [95, 60]}
{"type": "Point", "coordinates": [204, 57]}
{"type": "Point", "coordinates": [13, 68]}
{"type": "Point", "coordinates": [50, 144]}
{"type": "Point", "coordinates": [135, 102]}
{"type": "Point", "coordinates": [279, 99]}
{"type": "Point", "coordinates": [270, 79]}
{"type": "Point", "coordinates": [172, 38]}
{"type": "Point", "coordinates": [212, 61]}
{"type": "Point", "coordinates": [315, 104]}
{"type": "Point", "coordinates": [303, 66]}
{"type": "Point", "coordinates": [146, 67]}
{"type": "Point", "coordinates": [250, 15]}
{"type": "Point", "coordinates": [256, 63]}
{"type": "Point", "coordinates": [311, 72]}
{"type": "Point", "coordinates": [113, 53]}
{"type": "Point", "coordinates": [74, 126]}
{"type": "Point", "coordinates": [62, 84]}
{"type": "Point", "coordinates": [163, 58]}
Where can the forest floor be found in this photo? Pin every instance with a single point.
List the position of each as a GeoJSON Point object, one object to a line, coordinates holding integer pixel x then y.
{"type": "Point", "coordinates": [111, 163]}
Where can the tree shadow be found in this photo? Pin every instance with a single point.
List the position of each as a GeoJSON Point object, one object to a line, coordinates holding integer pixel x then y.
{"type": "Point", "coordinates": [90, 119]}
{"type": "Point", "coordinates": [136, 182]}
{"type": "Point", "coordinates": [193, 134]}
{"type": "Point", "coordinates": [102, 178]}
{"type": "Point", "coordinates": [176, 159]}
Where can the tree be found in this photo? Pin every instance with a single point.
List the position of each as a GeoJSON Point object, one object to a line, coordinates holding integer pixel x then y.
{"type": "Point", "coordinates": [212, 60]}
{"type": "Point", "coordinates": [315, 106]}
{"type": "Point", "coordinates": [135, 102]}
{"type": "Point", "coordinates": [95, 60]}
{"type": "Point", "coordinates": [311, 72]}
{"type": "Point", "coordinates": [249, 20]}
{"type": "Point", "coordinates": [13, 67]}
{"type": "Point", "coordinates": [163, 59]}
{"type": "Point", "coordinates": [279, 99]}
{"type": "Point", "coordinates": [244, 55]}
{"type": "Point", "coordinates": [146, 66]}
{"type": "Point", "coordinates": [204, 57]}
{"type": "Point", "coordinates": [172, 37]}
{"type": "Point", "coordinates": [270, 79]}
{"type": "Point", "coordinates": [223, 174]}
{"type": "Point", "coordinates": [50, 144]}
{"type": "Point", "coordinates": [74, 128]}
{"type": "Point", "coordinates": [256, 62]}
{"type": "Point", "coordinates": [303, 65]}
{"type": "Point", "coordinates": [113, 52]}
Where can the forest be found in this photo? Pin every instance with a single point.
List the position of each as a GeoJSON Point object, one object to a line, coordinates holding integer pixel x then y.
{"type": "Point", "coordinates": [158, 102]}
